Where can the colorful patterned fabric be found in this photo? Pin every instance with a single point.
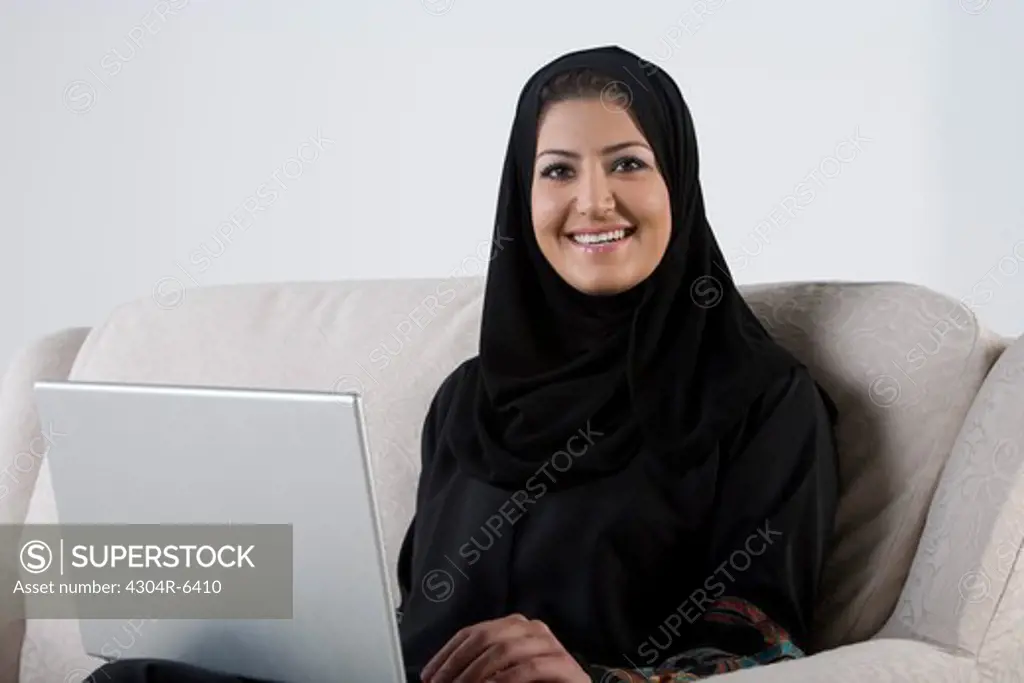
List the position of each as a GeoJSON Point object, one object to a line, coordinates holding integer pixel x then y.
{"type": "Point", "coordinates": [701, 662]}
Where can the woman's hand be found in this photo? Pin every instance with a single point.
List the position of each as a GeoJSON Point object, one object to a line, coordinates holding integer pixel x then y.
{"type": "Point", "coordinates": [512, 649]}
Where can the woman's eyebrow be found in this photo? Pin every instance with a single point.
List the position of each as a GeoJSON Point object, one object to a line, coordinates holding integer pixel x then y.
{"type": "Point", "coordinates": [610, 149]}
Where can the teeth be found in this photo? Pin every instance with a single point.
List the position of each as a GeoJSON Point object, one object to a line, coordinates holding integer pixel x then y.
{"type": "Point", "coordinates": [599, 237]}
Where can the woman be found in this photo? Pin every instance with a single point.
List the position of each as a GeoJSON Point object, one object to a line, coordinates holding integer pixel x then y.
{"type": "Point", "coordinates": [637, 482]}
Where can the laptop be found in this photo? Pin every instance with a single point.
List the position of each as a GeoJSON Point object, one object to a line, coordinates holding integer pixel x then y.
{"type": "Point", "coordinates": [156, 454]}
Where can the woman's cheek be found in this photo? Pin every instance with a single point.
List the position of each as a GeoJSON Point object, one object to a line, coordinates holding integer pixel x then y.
{"type": "Point", "coordinates": [546, 221]}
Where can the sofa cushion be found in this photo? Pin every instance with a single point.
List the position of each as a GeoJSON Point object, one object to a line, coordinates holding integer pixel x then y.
{"type": "Point", "coordinates": [393, 341]}
{"type": "Point", "coordinates": [902, 362]}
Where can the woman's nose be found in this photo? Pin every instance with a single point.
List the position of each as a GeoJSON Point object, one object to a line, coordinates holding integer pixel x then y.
{"type": "Point", "coordinates": [595, 196]}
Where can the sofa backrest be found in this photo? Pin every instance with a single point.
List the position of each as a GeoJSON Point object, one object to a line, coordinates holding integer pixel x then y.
{"type": "Point", "coordinates": [902, 362]}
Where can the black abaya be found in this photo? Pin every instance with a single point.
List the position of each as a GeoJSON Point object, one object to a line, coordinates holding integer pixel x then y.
{"type": "Point", "coordinates": [602, 456]}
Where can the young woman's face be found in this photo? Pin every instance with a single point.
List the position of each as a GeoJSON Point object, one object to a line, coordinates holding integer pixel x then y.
{"type": "Point", "coordinates": [601, 209]}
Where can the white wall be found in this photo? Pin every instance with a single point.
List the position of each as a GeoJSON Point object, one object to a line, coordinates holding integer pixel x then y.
{"type": "Point", "coordinates": [119, 160]}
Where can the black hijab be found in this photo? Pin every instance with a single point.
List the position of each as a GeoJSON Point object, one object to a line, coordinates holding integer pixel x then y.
{"type": "Point", "coordinates": [668, 365]}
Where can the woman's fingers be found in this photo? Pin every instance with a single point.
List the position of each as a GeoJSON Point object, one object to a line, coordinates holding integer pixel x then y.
{"type": "Point", "coordinates": [504, 654]}
{"type": "Point", "coordinates": [442, 655]}
{"type": "Point", "coordinates": [553, 668]}
{"type": "Point", "coordinates": [467, 645]}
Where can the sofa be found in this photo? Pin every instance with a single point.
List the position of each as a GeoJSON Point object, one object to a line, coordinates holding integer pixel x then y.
{"type": "Point", "coordinates": [923, 582]}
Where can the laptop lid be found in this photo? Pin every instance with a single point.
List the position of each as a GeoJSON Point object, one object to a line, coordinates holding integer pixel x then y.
{"type": "Point", "coordinates": [157, 454]}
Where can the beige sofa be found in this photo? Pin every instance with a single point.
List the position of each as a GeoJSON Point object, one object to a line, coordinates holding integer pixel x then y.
{"type": "Point", "coordinates": [923, 583]}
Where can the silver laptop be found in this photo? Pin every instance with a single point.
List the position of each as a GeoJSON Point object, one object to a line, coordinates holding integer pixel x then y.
{"type": "Point", "coordinates": [149, 454]}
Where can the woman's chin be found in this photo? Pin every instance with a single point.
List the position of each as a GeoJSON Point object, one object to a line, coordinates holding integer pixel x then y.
{"type": "Point", "coordinates": [600, 284]}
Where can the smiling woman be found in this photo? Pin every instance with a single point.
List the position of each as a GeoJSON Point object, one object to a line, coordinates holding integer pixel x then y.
{"type": "Point", "coordinates": [689, 539]}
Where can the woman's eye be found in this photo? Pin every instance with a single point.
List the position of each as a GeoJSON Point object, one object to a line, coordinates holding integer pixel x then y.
{"type": "Point", "coordinates": [556, 172]}
{"type": "Point", "coordinates": [628, 164]}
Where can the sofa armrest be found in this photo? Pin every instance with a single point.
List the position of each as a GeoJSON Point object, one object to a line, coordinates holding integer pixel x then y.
{"type": "Point", "coordinates": [872, 661]}
{"type": "Point", "coordinates": [22, 447]}
{"type": "Point", "coordinates": [965, 586]}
